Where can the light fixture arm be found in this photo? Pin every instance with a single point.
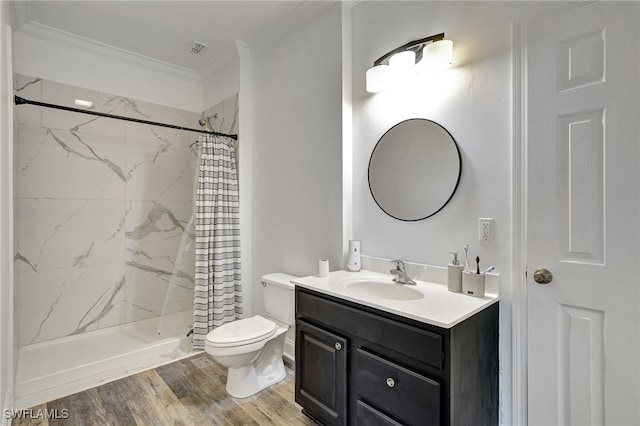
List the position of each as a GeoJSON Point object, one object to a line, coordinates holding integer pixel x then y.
{"type": "Point", "coordinates": [417, 44]}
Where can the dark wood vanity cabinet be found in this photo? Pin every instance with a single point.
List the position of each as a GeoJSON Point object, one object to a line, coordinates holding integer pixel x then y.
{"type": "Point", "coordinates": [357, 365]}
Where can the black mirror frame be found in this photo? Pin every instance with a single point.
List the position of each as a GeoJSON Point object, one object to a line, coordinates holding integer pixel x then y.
{"type": "Point", "coordinates": [455, 188]}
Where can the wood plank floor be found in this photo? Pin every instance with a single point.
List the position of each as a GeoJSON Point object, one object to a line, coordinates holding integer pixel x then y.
{"type": "Point", "coordinates": [186, 392]}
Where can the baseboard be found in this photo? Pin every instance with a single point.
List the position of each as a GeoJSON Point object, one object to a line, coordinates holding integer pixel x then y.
{"type": "Point", "coordinates": [288, 361]}
{"type": "Point", "coordinates": [289, 349]}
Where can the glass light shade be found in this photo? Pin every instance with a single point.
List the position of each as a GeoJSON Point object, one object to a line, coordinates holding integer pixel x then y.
{"type": "Point", "coordinates": [378, 78]}
{"type": "Point", "coordinates": [403, 67]}
{"type": "Point", "coordinates": [403, 62]}
{"type": "Point", "coordinates": [436, 56]}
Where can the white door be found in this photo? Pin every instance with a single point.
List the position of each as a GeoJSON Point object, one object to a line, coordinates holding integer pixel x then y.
{"type": "Point", "coordinates": [582, 104]}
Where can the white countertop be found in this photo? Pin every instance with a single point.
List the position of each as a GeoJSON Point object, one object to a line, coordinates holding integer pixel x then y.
{"type": "Point", "coordinates": [438, 307]}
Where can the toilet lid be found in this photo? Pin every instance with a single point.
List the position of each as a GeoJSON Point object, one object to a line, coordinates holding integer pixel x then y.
{"type": "Point", "coordinates": [241, 332]}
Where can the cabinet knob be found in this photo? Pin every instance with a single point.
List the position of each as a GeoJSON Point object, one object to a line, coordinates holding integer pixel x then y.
{"type": "Point", "coordinates": [390, 382]}
{"type": "Point", "coordinates": [338, 346]}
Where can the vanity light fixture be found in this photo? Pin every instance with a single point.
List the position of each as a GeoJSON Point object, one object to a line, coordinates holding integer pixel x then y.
{"type": "Point", "coordinates": [431, 53]}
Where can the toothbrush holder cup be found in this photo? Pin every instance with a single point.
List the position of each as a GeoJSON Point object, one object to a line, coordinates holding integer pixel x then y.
{"type": "Point", "coordinates": [473, 284]}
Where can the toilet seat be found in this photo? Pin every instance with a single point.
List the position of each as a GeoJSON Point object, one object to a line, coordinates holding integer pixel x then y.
{"type": "Point", "coordinates": [241, 332]}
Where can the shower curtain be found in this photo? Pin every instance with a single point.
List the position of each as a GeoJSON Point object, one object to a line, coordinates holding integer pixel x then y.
{"type": "Point", "coordinates": [218, 293]}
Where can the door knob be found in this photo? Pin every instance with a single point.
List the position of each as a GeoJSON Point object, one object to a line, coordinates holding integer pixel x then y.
{"type": "Point", "coordinates": [542, 276]}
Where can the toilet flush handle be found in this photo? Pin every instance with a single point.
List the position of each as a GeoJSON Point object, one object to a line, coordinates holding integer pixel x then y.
{"type": "Point", "coordinates": [264, 284]}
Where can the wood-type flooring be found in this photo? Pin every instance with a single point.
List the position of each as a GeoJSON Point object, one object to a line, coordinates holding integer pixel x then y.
{"type": "Point", "coordinates": [187, 392]}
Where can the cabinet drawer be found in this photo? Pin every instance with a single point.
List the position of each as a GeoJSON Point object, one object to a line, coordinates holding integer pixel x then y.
{"type": "Point", "coordinates": [421, 345]}
{"type": "Point", "coordinates": [403, 394]}
{"type": "Point", "coordinates": [366, 415]}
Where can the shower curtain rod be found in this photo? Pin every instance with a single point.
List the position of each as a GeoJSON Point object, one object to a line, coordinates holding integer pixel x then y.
{"type": "Point", "coordinates": [22, 101]}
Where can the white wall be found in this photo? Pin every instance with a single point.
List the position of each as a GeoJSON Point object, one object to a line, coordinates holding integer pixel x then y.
{"type": "Point", "coordinates": [297, 167]}
{"type": "Point", "coordinates": [86, 64]}
{"type": "Point", "coordinates": [222, 84]}
{"type": "Point", "coordinates": [245, 178]}
{"type": "Point", "coordinates": [6, 212]}
{"type": "Point", "coordinates": [473, 102]}
{"type": "Point", "coordinates": [347, 128]}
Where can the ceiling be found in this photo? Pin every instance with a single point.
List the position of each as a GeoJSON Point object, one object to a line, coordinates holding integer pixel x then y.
{"type": "Point", "coordinates": [163, 30]}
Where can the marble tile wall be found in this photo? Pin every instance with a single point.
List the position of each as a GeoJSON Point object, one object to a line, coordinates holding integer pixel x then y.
{"type": "Point", "coordinates": [101, 208]}
{"type": "Point", "coordinates": [224, 117]}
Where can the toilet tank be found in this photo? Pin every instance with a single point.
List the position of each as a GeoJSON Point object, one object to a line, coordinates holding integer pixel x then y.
{"type": "Point", "coordinates": [279, 294]}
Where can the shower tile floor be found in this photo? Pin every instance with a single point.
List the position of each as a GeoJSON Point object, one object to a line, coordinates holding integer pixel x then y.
{"type": "Point", "coordinates": [187, 392]}
{"type": "Point", "coordinates": [59, 367]}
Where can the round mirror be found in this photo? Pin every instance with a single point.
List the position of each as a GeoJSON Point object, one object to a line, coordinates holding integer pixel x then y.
{"type": "Point", "coordinates": [414, 169]}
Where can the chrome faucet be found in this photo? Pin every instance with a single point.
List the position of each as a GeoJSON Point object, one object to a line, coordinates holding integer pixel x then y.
{"type": "Point", "coordinates": [400, 273]}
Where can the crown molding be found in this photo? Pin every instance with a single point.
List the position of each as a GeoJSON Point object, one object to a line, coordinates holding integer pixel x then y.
{"type": "Point", "coordinates": [351, 3]}
{"type": "Point", "coordinates": [44, 32]}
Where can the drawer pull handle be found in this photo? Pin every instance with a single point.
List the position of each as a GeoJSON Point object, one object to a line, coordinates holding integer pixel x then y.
{"type": "Point", "coordinates": [338, 346]}
{"type": "Point", "coordinates": [390, 382]}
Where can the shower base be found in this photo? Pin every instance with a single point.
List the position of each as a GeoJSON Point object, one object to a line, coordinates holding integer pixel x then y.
{"type": "Point", "coordinates": [52, 369]}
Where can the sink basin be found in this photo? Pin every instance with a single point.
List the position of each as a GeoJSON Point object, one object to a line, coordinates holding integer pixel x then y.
{"type": "Point", "coordinates": [381, 290]}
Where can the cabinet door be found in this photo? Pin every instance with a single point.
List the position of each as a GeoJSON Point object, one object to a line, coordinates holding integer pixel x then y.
{"type": "Point", "coordinates": [321, 374]}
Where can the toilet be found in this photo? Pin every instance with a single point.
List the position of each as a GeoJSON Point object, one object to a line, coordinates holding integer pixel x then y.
{"type": "Point", "coordinates": [252, 348]}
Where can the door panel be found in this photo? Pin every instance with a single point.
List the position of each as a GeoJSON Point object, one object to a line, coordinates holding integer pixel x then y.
{"type": "Point", "coordinates": [583, 202]}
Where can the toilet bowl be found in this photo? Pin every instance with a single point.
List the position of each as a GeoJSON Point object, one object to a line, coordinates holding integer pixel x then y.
{"type": "Point", "coordinates": [252, 348]}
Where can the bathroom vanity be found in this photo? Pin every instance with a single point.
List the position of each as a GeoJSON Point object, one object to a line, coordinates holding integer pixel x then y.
{"type": "Point", "coordinates": [373, 357]}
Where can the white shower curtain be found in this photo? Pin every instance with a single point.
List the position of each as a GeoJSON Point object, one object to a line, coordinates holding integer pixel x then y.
{"type": "Point", "coordinates": [218, 293]}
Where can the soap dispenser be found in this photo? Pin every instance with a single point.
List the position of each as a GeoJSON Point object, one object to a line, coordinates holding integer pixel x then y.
{"type": "Point", "coordinates": [454, 274]}
{"type": "Point", "coordinates": [353, 261]}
